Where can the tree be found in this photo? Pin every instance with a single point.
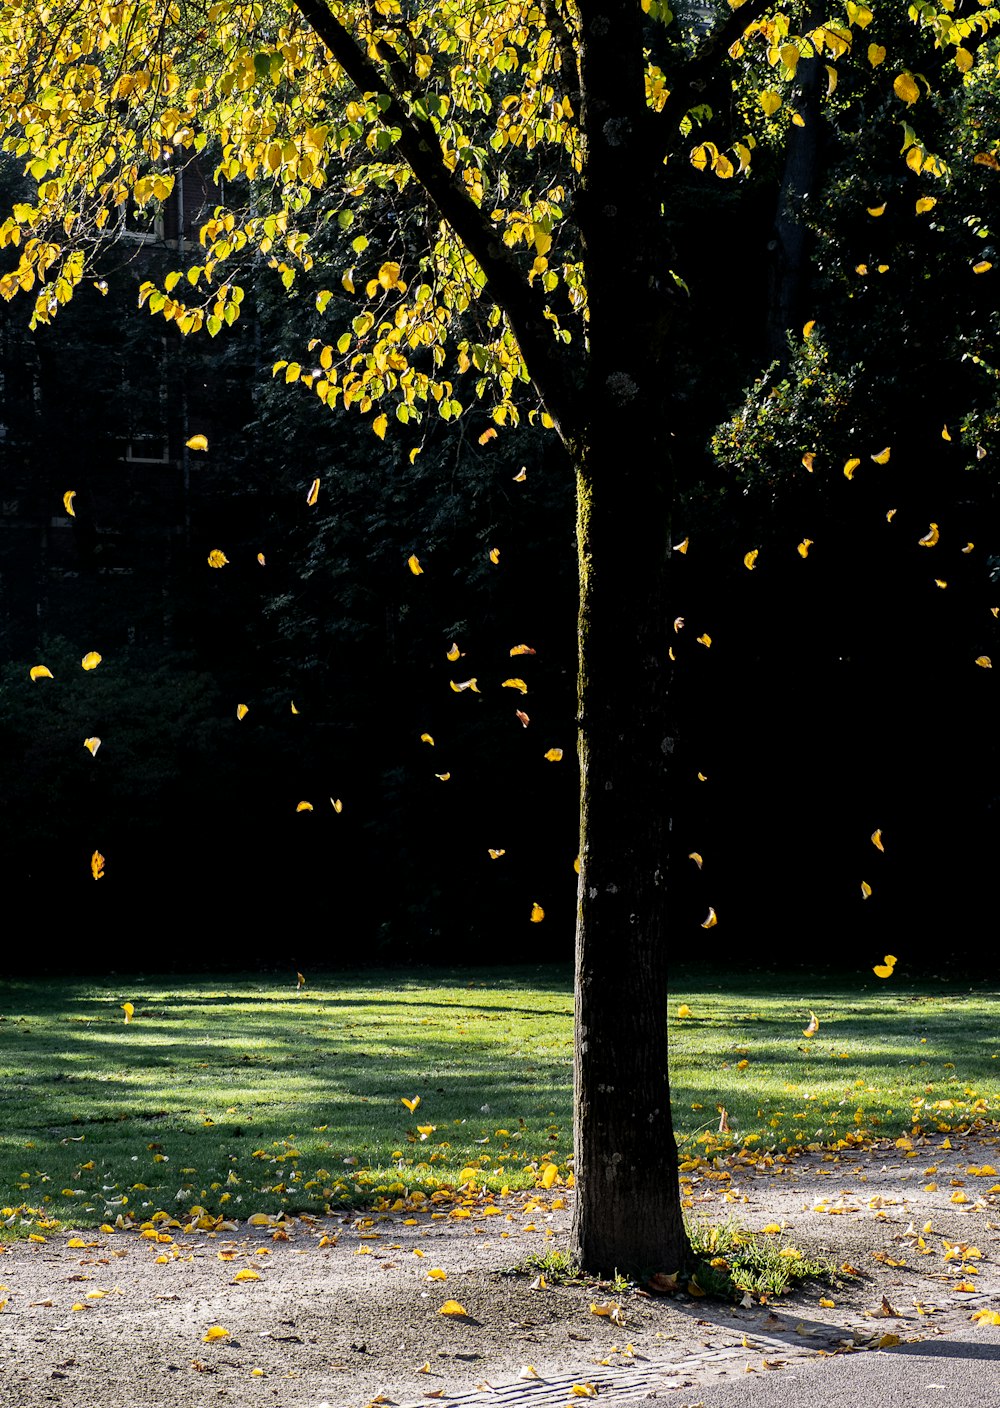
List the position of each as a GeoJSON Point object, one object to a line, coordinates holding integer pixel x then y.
{"type": "Point", "coordinates": [556, 143]}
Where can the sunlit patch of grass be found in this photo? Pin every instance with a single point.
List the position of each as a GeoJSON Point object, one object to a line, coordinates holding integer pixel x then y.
{"type": "Point", "coordinates": [734, 1261]}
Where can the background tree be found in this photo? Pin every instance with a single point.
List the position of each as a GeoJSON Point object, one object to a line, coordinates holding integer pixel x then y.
{"type": "Point", "coordinates": [556, 145]}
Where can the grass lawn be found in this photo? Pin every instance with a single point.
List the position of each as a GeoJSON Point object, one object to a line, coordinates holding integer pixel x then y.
{"type": "Point", "coordinates": [241, 1094]}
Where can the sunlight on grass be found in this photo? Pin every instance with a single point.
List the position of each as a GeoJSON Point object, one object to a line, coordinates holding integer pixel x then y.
{"type": "Point", "coordinates": [243, 1095]}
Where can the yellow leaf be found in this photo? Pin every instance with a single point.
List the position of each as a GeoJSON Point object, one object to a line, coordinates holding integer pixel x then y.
{"type": "Point", "coordinates": [537, 913]}
{"type": "Point", "coordinates": [890, 515]}
{"type": "Point", "coordinates": [91, 660]}
{"type": "Point", "coordinates": [813, 1026]}
{"type": "Point", "coordinates": [684, 1010]}
{"type": "Point", "coordinates": [426, 738]}
{"type": "Point", "coordinates": [694, 855]}
{"type": "Point", "coordinates": [983, 267]}
{"type": "Point", "coordinates": [924, 204]}
{"type": "Point", "coordinates": [411, 1105]}
{"type": "Point", "coordinates": [984, 661]}
{"type": "Point", "coordinates": [304, 807]}
{"type": "Point", "coordinates": [940, 582]}
{"type": "Point", "coordinates": [549, 1175]}
{"type": "Point", "coordinates": [985, 1317]}
{"type": "Point", "coordinates": [866, 890]}
{"type": "Point", "coordinates": [214, 1332]}
{"type": "Point", "coordinates": [850, 467]}
{"type": "Point", "coordinates": [750, 559]}
{"type": "Point", "coordinates": [884, 969]}
{"type": "Point", "coordinates": [554, 755]}
{"type": "Point", "coordinates": [129, 1011]}
{"type": "Point", "coordinates": [515, 683]}
{"type": "Point", "coordinates": [261, 559]}
{"type": "Point", "coordinates": [876, 54]}
{"type": "Point", "coordinates": [611, 1309]}
{"type": "Point", "coordinates": [465, 684]}
{"type": "Point", "coordinates": [452, 1307]}
{"type": "Point", "coordinates": [313, 493]}
{"type": "Point", "coordinates": [521, 475]}
{"type": "Point", "coordinates": [876, 209]}
{"type": "Point", "coordinates": [241, 711]}
{"type": "Point", "coordinates": [68, 498]}
{"type": "Point", "coordinates": [963, 62]}
{"type": "Point", "coordinates": [453, 653]}
{"type": "Point", "coordinates": [883, 455]}
{"type": "Point", "coordinates": [380, 424]}
{"type": "Point", "coordinates": [337, 805]}
{"type": "Point", "coordinates": [444, 776]}
{"type": "Point", "coordinates": [300, 981]}
{"type": "Point", "coordinates": [528, 1371]}
{"type": "Point", "coordinates": [494, 555]}
{"type": "Point", "coordinates": [246, 1275]}
{"type": "Point", "coordinates": [682, 547]}
{"type": "Point", "coordinates": [905, 88]}
{"type": "Point", "coordinates": [413, 563]}
{"type": "Point", "coordinates": [968, 547]}
{"type": "Point", "coordinates": [41, 672]}
{"type": "Point", "coordinates": [97, 865]}
{"type": "Point", "coordinates": [488, 435]}
{"type": "Point", "coordinates": [809, 460]}
{"type": "Point", "coordinates": [705, 640]}
{"type": "Point", "coordinates": [587, 1390]}
{"type": "Point", "coordinates": [930, 538]}
{"type": "Point", "coordinates": [887, 1341]}
{"type": "Point", "coordinates": [804, 546]}
{"type": "Point", "coordinates": [495, 855]}
{"type": "Point", "coordinates": [293, 706]}
{"type": "Point", "coordinates": [197, 442]}
{"type": "Point", "coordinates": [92, 745]}
{"type": "Point", "coordinates": [522, 650]}
{"type": "Point", "coordinates": [712, 919]}
{"type": "Point", "coordinates": [877, 839]}
{"type": "Point", "coordinates": [701, 777]}
{"type": "Point", "coordinates": [217, 558]}
{"type": "Point", "coordinates": [770, 102]}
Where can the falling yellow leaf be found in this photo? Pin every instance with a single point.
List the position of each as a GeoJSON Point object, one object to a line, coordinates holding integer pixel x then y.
{"type": "Point", "coordinates": [197, 442]}
{"type": "Point", "coordinates": [129, 1011]}
{"type": "Point", "coordinates": [453, 653]}
{"type": "Point", "coordinates": [850, 467]}
{"type": "Point", "coordinates": [705, 640]}
{"type": "Point", "coordinates": [68, 498]}
{"type": "Point", "coordinates": [554, 755]}
{"type": "Point", "coordinates": [750, 559]}
{"type": "Point", "coordinates": [304, 807]}
{"type": "Point", "coordinates": [930, 538]}
{"type": "Point", "coordinates": [413, 563]}
{"type": "Point", "coordinates": [905, 88]}
{"type": "Point", "coordinates": [494, 555]}
{"type": "Point", "coordinates": [92, 745]}
{"type": "Point", "coordinates": [241, 711]}
{"type": "Point", "coordinates": [813, 1026]}
{"type": "Point", "coordinates": [682, 547]}
{"type": "Point", "coordinates": [472, 684]}
{"type": "Point", "coordinates": [804, 546]}
{"type": "Point", "coordinates": [495, 855]}
{"type": "Point", "coordinates": [701, 777]}
{"type": "Point", "coordinates": [426, 738]}
{"type": "Point", "coordinates": [808, 460]}
{"type": "Point", "coordinates": [984, 661]}
{"type": "Point", "coordinates": [515, 684]}
{"type": "Point", "coordinates": [217, 558]}
{"type": "Point", "coordinates": [537, 913]}
{"type": "Point", "coordinates": [261, 559]}
{"type": "Point", "coordinates": [313, 493]}
{"type": "Point", "coordinates": [337, 805]}
{"type": "Point", "coordinates": [214, 1332]}
{"type": "Point", "coordinates": [97, 865]}
{"type": "Point", "coordinates": [521, 475]}
{"type": "Point", "coordinates": [452, 1307]}
{"type": "Point", "coordinates": [890, 515]}
{"type": "Point", "coordinates": [91, 660]}
{"type": "Point", "coordinates": [712, 919]}
{"type": "Point", "coordinates": [884, 969]}
{"type": "Point", "coordinates": [684, 1010]}
{"type": "Point", "coordinates": [488, 435]}
{"type": "Point", "coordinates": [247, 1274]}
{"type": "Point", "coordinates": [300, 981]}
{"type": "Point", "coordinates": [924, 204]}
{"type": "Point", "coordinates": [968, 547]}
{"type": "Point", "coordinates": [807, 330]}
{"type": "Point", "coordinates": [522, 650]}
{"type": "Point", "coordinates": [411, 1105]}
{"type": "Point", "coordinates": [940, 582]}
{"type": "Point", "coordinates": [883, 455]}
{"type": "Point", "coordinates": [41, 672]}
{"type": "Point", "coordinates": [293, 706]}
{"type": "Point", "coordinates": [876, 209]}
{"type": "Point", "coordinates": [877, 839]}
{"type": "Point", "coordinates": [695, 856]}
{"type": "Point", "coordinates": [444, 776]}
{"type": "Point", "coordinates": [866, 890]}
{"type": "Point", "coordinates": [983, 267]}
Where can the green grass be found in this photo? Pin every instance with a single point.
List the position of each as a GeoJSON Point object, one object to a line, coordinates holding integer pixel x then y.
{"type": "Point", "coordinates": [735, 1261]}
{"type": "Point", "coordinates": [241, 1095]}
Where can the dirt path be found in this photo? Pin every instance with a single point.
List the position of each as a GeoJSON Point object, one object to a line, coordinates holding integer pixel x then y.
{"type": "Point", "coordinates": [340, 1311]}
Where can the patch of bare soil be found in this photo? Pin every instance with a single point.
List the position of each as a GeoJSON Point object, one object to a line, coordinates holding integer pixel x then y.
{"type": "Point", "coordinates": [347, 1311]}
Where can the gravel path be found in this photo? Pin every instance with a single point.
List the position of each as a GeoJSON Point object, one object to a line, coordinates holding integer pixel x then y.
{"type": "Point", "coordinates": [344, 1312]}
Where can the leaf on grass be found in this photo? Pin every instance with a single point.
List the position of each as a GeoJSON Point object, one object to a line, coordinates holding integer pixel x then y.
{"type": "Point", "coordinates": [488, 435]}
{"type": "Point", "coordinates": [684, 1010]}
{"type": "Point", "coordinates": [129, 1011]}
{"type": "Point", "coordinates": [41, 672]}
{"type": "Point", "coordinates": [411, 1105]}
{"type": "Point", "coordinates": [92, 745]}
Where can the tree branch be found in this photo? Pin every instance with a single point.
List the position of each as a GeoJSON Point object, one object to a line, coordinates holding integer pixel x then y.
{"type": "Point", "coordinates": [419, 147]}
{"type": "Point", "coordinates": [687, 89]}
